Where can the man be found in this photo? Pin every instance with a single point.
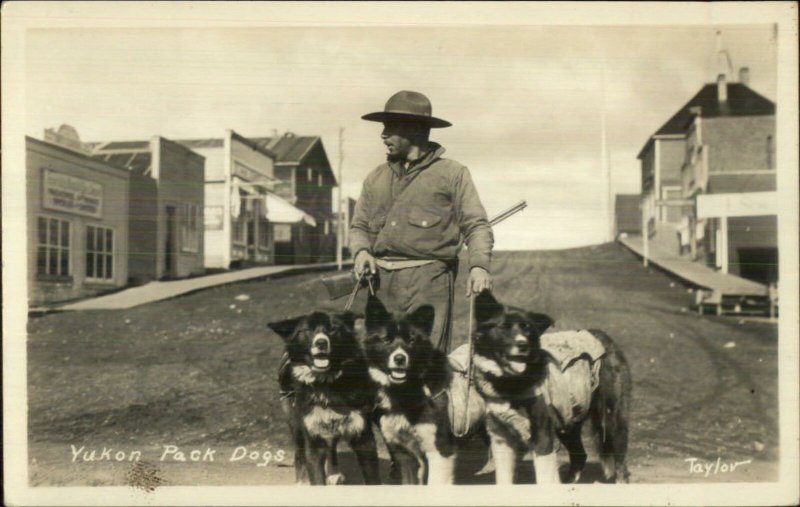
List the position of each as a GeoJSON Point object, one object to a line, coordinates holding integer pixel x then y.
{"type": "Point", "coordinates": [414, 214]}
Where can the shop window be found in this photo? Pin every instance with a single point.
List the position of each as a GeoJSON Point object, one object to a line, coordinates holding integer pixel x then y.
{"type": "Point", "coordinates": [99, 253]}
{"type": "Point", "coordinates": [53, 247]}
{"type": "Point", "coordinates": [263, 233]}
{"type": "Point", "coordinates": [190, 228]}
{"type": "Point", "coordinates": [239, 225]}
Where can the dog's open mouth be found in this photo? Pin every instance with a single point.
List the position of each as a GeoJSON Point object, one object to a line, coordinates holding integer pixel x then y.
{"type": "Point", "coordinates": [398, 375]}
{"type": "Point", "coordinates": [320, 363]}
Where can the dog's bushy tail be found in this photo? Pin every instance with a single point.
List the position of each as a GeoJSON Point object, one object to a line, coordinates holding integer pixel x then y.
{"type": "Point", "coordinates": [610, 410]}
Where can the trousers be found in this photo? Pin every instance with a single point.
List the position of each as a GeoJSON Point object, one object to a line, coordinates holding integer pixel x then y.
{"type": "Point", "coordinates": [405, 290]}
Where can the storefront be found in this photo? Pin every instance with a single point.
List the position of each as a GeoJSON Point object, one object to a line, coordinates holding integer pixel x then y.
{"type": "Point", "coordinates": [741, 233]}
{"type": "Point", "coordinates": [241, 209]}
{"type": "Point", "coordinates": [77, 218]}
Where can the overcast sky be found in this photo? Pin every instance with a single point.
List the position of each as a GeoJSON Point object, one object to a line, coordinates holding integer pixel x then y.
{"type": "Point", "coordinates": [526, 102]}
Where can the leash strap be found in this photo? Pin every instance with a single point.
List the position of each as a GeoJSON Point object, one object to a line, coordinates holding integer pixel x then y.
{"type": "Point", "coordinates": [470, 362]}
{"type": "Point", "coordinates": [353, 294]}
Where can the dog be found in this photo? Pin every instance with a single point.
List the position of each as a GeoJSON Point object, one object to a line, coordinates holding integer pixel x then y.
{"type": "Point", "coordinates": [541, 387]}
{"type": "Point", "coordinates": [411, 409]}
{"type": "Point", "coordinates": [332, 397]}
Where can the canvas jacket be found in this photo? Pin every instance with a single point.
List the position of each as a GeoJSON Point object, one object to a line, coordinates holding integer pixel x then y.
{"type": "Point", "coordinates": [425, 212]}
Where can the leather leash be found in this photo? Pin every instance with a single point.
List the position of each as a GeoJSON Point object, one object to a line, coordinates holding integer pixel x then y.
{"type": "Point", "coordinates": [470, 361]}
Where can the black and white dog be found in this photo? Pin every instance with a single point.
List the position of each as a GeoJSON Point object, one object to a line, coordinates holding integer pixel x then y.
{"type": "Point", "coordinates": [541, 387]}
{"type": "Point", "coordinates": [332, 396]}
{"type": "Point", "coordinates": [411, 409]}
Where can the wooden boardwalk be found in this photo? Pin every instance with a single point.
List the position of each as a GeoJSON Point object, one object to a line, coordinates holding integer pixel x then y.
{"type": "Point", "coordinates": [663, 252]}
{"type": "Point", "coordinates": [158, 291]}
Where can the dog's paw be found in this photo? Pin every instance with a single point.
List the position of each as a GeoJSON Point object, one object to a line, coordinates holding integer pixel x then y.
{"type": "Point", "coordinates": [335, 480]}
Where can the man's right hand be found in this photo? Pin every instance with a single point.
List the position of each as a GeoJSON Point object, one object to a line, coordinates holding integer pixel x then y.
{"type": "Point", "coordinates": [364, 262]}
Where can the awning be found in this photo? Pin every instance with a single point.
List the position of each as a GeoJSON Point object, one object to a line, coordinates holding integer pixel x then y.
{"type": "Point", "coordinates": [282, 212]}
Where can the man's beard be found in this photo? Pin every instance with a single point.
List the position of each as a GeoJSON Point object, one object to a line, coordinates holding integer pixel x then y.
{"type": "Point", "coordinates": [395, 157]}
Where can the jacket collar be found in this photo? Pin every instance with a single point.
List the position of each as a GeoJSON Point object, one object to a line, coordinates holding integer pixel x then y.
{"type": "Point", "coordinates": [434, 153]}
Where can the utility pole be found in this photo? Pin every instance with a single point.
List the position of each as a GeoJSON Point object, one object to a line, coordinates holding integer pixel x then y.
{"type": "Point", "coordinates": [339, 225]}
{"type": "Point", "coordinates": [608, 201]}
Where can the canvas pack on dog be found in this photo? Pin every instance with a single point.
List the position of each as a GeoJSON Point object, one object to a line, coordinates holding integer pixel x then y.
{"type": "Point", "coordinates": [331, 396]}
{"type": "Point", "coordinates": [540, 388]}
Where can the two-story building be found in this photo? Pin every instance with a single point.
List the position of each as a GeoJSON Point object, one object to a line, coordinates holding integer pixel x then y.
{"type": "Point", "coordinates": [306, 180]}
{"type": "Point", "coordinates": [242, 210]}
{"type": "Point", "coordinates": [77, 218]}
{"type": "Point", "coordinates": [166, 206]}
{"type": "Point", "coordinates": [717, 156]}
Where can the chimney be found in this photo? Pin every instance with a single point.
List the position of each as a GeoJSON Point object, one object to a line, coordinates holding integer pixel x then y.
{"type": "Point", "coordinates": [722, 89]}
{"type": "Point", "coordinates": [744, 76]}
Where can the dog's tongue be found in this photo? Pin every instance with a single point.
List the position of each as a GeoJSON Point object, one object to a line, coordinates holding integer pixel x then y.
{"type": "Point", "coordinates": [321, 362]}
{"type": "Point", "coordinates": [517, 366]}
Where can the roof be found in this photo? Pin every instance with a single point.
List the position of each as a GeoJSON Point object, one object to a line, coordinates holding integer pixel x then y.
{"type": "Point", "coordinates": [742, 101]}
{"type": "Point", "coordinates": [289, 148]}
{"type": "Point", "coordinates": [122, 145]}
{"type": "Point", "coordinates": [138, 162]}
{"type": "Point", "coordinates": [203, 143]}
{"type": "Point", "coordinates": [32, 140]}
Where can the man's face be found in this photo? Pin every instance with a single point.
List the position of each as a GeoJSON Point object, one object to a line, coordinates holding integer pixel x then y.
{"type": "Point", "coordinates": [399, 137]}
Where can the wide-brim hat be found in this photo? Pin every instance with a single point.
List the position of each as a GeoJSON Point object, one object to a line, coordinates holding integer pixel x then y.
{"type": "Point", "coordinates": [408, 106]}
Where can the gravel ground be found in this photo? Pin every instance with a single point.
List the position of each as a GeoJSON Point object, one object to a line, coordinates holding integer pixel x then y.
{"type": "Point", "coordinates": [197, 372]}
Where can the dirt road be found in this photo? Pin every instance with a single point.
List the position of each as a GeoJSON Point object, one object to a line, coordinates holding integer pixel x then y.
{"type": "Point", "coordinates": [197, 372]}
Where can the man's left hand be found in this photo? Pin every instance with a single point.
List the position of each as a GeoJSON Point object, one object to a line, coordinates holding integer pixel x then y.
{"type": "Point", "coordinates": [479, 281]}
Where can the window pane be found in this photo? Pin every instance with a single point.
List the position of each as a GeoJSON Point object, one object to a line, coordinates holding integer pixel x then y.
{"type": "Point", "coordinates": [98, 270]}
{"type": "Point", "coordinates": [65, 234]}
{"type": "Point", "coordinates": [109, 240]}
{"type": "Point", "coordinates": [52, 266]}
{"type": "Point", "coordinates": [98, 238]}
{"type": "Point", "coordinates": [42, 231]}
{"type": "Point", "coordinates": [109, 266]}
{"type": "Point", "coordinates": [89, 238]}
{"type": "Point", "coordinates": [64, 262]}
{"type": "Point", "coordinates": [53, 236]}
{"type": "Point", "coordinates": [41, 260]}
{"type": "Point", "coordinates": [89, 265]}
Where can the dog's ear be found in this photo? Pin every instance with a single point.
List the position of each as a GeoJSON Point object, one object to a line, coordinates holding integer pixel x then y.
{"type": "Point", "coordinates": [285, 328]}
{"type": "Point", "coordinates": [376, 316]}
{"type": "Point", "coordinates": [348, 320]}
{"type": "Point", "coordinates": [422, 318]}
{"type": "Point", "coordinates": [539, 322]}
{"type": "Point", "coordinates": [487, 308]}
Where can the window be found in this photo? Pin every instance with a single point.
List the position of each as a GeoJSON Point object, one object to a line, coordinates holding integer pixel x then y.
{"type": "Point", "coordinates": [319, 179]}
{"type": "Point", "coordinates": [99, 253]}
{"type": "Point", "coordinates": [238, 224]}
{"type": "Point", "coordinates": [310, 174]}
{"type": "Point", "coordinates": [190, 228]}
{"type": "Point", "coordinates": [53, 247]}
{"type": "Point", "coordinates": [263, 233]}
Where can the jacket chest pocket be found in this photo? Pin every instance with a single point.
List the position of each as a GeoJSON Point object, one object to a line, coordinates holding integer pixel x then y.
{"type": "Point", "coordinates": [424, 219]}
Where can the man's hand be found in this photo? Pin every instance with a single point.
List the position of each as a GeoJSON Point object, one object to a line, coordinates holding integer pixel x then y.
{"type": "Point", "coordinates": [479, 280]}
{"type": "Point", "coordinates": [364, 262]}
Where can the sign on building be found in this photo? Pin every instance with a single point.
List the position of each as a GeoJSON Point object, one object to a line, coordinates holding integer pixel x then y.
{"type": "Point", "coordinates": [69, 194]}
{"type": "Point", "coordinates": [744, 204]}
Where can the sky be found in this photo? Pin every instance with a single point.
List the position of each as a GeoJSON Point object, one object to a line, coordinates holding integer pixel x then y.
{"type": "Point", "coordinates": [526, 102]}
